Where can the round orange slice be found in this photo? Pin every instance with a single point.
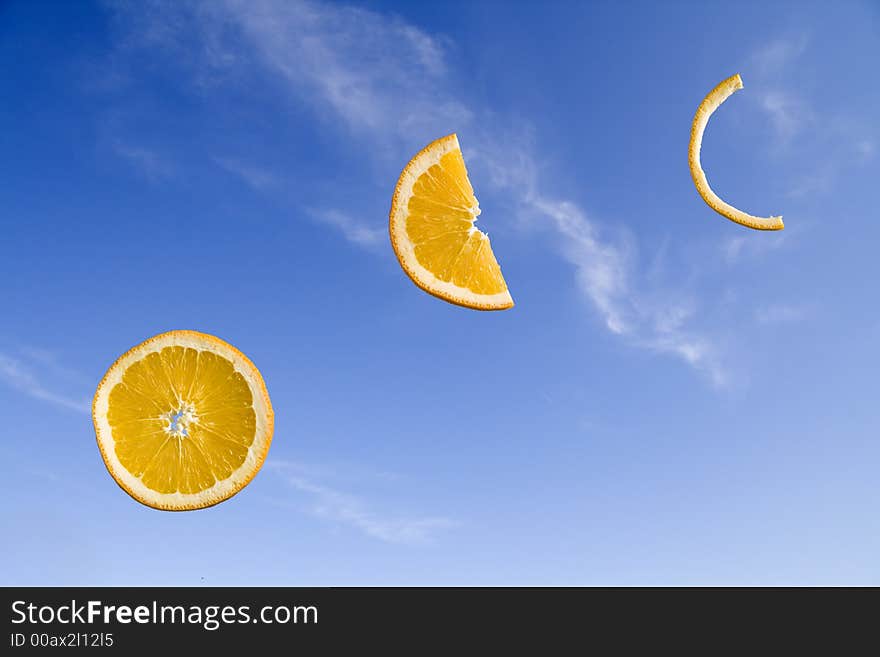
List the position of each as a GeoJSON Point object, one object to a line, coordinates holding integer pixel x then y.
{"type": "Point", "coordinates": [183, 421]}
{"type": "Point", "coordinates": [433, 233]}
{"type": "Point", "coordinates": [711, 103]}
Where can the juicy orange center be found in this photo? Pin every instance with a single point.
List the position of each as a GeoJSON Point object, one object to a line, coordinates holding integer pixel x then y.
{"type": "Point", "coordinates": [182, 419]}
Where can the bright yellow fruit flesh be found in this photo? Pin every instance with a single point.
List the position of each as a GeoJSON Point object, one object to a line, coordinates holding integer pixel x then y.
{"type": "Point", "coordinates": [182, 419]}
{"type": "Point", "coordinates": [433, 233]}
{"type": "Point", "coordinates": [440, 224]}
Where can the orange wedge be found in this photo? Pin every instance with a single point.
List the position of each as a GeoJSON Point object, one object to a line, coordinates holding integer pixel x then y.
{"type": "Point", "coordinates": [433, 233]}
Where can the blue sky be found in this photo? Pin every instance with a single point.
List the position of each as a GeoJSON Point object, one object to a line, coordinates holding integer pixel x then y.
{"type": "Point", "coordinates": [675, 399]}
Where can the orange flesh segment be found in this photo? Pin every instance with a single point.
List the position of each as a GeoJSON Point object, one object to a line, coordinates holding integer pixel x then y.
{"type": "Point", "coordinates": [440, 224]}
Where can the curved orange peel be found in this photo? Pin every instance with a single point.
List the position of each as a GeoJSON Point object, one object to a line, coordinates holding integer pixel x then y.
{"type": "Point", "coordinates": [711, 103]}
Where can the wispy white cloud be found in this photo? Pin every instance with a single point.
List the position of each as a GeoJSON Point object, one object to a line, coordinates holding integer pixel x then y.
{"type": "Point", "coordinates": [147, 162]}
{"type": "Point", "coordinates": [819, 180]}
{"type": "Point", "coordinates": [51, 363]}
{"type": "Point", "coordinates": [22, 374]}
{"type": "Point", "coordinates": [255, 177]}
{"type": "Point", "coordinates": [768, 65]}
{"type": "Point", "coordinates": [799, 125]}
{"type": "Point", "coordinates": [733, 247]}
{"type": "Point", "coordinates": [606, 271]}
{"type": "Point", "coordinates": [331, 504]}
{"type": "Point", "coordinates": [739, 247]}
{"type": "Point", "coordinates": [601, 268]}
{"type": "Point", "coordinates": [866, 148]}
{"type": "Point", "coordinates": [773, 57]}
{"type": "Point", "coordinates": [781, 313]}
{"type": "Point", "coordinates": [356, 232]}
{"type": "Point", "coordinates": [788, 113]}
{"type": "Point", "coordinates": [375, 73]}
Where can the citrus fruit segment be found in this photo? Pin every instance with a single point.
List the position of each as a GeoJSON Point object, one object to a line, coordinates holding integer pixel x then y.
{"type": "Point", "coordinates": [183, 421]}
{"type": "Point", "coordinates": [433, 233]}
{"type": "Point", "coordinates": [710, 103]}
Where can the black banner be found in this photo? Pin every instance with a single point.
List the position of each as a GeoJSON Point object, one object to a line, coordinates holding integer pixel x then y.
{"type": "Point", "coordinates": [409, 620]}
